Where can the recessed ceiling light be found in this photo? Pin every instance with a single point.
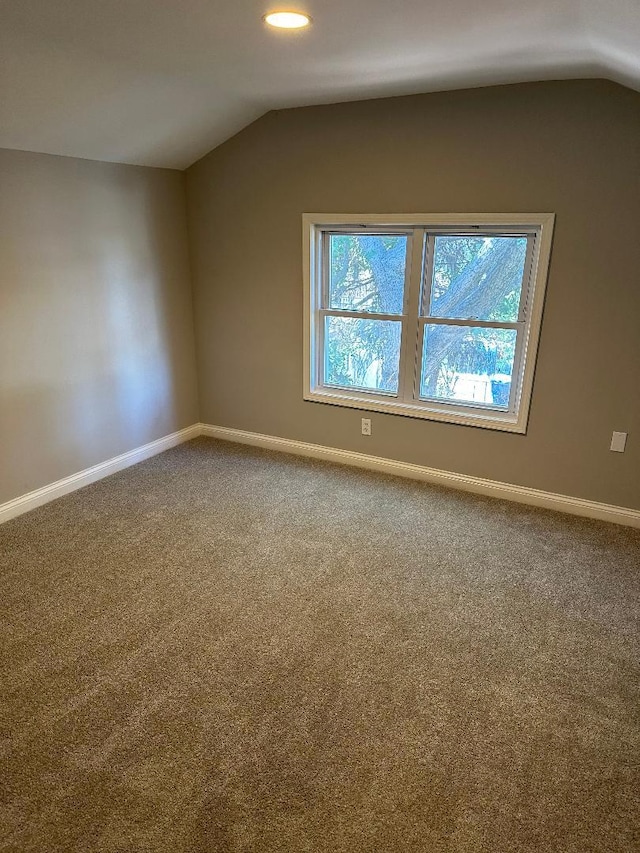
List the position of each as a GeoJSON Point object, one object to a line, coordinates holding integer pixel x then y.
{"type": "Point", "coordinates": [287, 20]}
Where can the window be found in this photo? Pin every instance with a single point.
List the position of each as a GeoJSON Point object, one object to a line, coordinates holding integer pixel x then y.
{"type": "Point", "coordinates": [427, 316]}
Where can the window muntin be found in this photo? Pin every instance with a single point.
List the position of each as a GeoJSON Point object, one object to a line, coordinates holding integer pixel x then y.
{"type": "Point", "coordinates": [475, 286]}
{"type": "Point", "coordinates": [437, 320]}
{"type": "Point", "coordinates": [363, 309]}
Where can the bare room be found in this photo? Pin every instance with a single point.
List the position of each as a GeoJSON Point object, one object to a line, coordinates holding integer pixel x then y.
{"type": "Point", "coordinates": [319, 426]}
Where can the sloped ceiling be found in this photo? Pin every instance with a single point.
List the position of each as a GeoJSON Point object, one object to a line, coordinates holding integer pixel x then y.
{"type": "Point", "coordinates": [161, 82]}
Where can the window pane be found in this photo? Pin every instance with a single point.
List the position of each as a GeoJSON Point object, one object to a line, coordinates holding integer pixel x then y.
{"type": "Point", "coordinates": [362, 353]}
{"type": "Point", "coordinates": [478, 278]}
{"type": "Point", "coordinates": [467, 364]}
{"type": "Point", "coordinates": [367, 272]}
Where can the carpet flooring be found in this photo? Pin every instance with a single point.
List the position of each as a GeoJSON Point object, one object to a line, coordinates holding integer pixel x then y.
{"type": "Point", "coordinates": [226, 649]}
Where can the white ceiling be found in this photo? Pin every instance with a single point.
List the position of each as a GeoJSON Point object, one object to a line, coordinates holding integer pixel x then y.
{"type": "Point", "coordinates": [161, 82]}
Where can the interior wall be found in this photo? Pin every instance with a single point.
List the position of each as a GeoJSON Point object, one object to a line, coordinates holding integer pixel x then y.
{"type": "Point", "coordinates": [96, 327]}
{"type": "Point", "coordinates": [565, 147]}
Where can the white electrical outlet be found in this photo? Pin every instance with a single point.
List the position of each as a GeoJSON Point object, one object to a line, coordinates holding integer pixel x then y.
{"type": "Point", "coordinates": [366, 426]}
{"type": "Point", "coordinates": [618, 441]}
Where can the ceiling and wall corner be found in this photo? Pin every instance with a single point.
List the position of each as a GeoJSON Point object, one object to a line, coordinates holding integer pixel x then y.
{"type": "Point", "coordinates": [160, 82]}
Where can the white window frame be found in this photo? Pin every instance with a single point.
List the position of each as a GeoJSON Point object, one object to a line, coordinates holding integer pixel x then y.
{"type": "Point", "coordinates": [538, 227]}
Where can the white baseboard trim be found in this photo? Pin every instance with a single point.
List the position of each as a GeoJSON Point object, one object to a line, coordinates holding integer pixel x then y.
{"type": "Point", "coordinates": [505, 491]}
{"type": "Point", "coordinates": [41, 496]}
{"type": "Point", "coordinates": [492, 488]}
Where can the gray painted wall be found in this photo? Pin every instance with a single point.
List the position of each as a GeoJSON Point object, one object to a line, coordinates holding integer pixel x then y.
{"type": "Point", "coordinates": [96, 324]}
{"type": "Point", "coordinates": [567, 147]}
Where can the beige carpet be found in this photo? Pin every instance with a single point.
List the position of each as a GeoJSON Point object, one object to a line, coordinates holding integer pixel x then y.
{"type": "Point", "coordinates": [224, 649]}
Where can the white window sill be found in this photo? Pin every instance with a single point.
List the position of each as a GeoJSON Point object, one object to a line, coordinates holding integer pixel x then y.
{"type": "Point", "coordinates": [454, 414]}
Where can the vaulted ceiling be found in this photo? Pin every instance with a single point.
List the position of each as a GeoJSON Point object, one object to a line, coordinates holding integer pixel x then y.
{"type": "Point", "coordinates": [161, 82]}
